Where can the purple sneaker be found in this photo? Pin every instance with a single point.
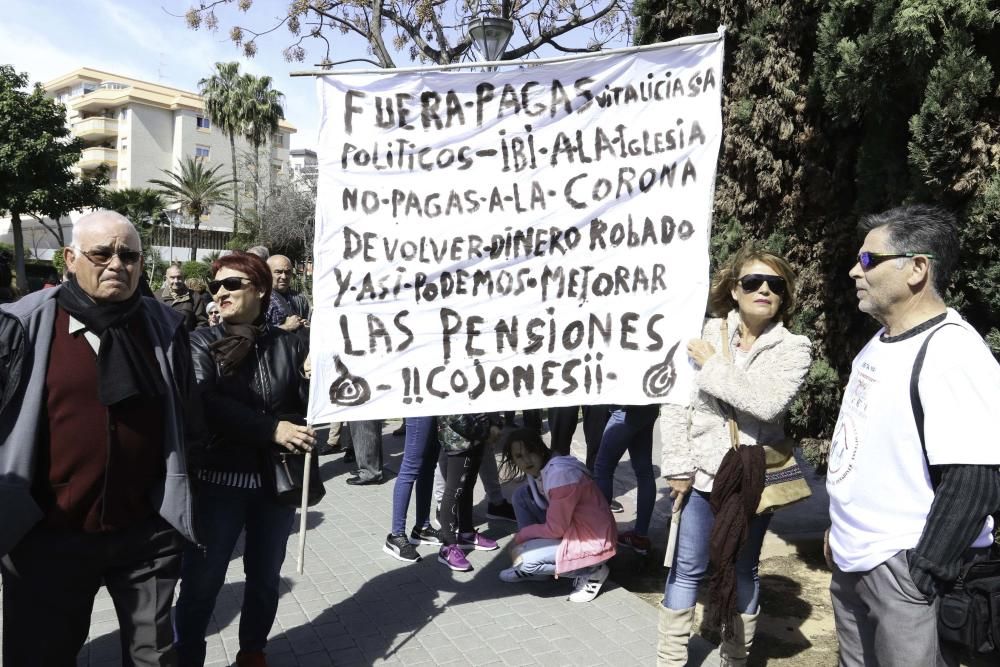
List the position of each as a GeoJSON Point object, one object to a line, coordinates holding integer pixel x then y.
{"type": "Point", "coordinates": [477, 541]}
{"type": "Point", "coordinates": [453, 556]}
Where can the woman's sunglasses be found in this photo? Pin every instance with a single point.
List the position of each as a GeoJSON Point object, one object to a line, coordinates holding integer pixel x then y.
{"type": "Point", "coordinates": [231, 284]}
{"type": "Point", "coordinates": [752, 282]}
{"type": "Point", "coordinates": [869, 259]}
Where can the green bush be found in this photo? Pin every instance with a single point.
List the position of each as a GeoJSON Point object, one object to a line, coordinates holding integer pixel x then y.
{"type": "Point", "coordinates": [836, 109]}
{"type": "Point", "coordinates": [197, 270]}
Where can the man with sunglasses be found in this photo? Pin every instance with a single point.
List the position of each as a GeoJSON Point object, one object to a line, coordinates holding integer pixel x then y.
{"type": "Point", "coordinates": [95, 420]}
{"type": "Point", "coordinates": [912, 474]}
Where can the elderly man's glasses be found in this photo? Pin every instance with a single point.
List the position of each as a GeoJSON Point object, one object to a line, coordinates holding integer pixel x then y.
{"type": "Point", "coordinates": [752, 282]}
{"type": "Point", "coordinates": [103, 256]}
{"type": "Point", "coordinates": [232, 284]}
{"type": "Point", "coordinates": [868, 260]}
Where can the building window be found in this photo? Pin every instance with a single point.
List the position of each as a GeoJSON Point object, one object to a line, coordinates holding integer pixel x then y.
{"type": "Point", "coordinates": [201, 152]}
{"type": "Point", "coordinates": [203, 123]}
{"type": "Point", "coordinates": [279, 140]}
{"type": "Point", "coordinates": [89, 88]}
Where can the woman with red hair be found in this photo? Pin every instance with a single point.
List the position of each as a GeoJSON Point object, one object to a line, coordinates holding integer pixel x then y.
{"type": "Point", "coordinates": [254, 393]}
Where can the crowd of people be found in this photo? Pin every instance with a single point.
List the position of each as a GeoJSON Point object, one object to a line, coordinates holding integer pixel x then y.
{"type": "Point", "coordinates": [137, 438]}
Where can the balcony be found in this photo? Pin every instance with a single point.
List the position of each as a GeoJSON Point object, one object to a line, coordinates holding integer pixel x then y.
{"type": "Point", "coordinates": [96, 128]}
{"type": "Point", "coordinates": [100, 99]}
{"type": "Point", "coordinates": [91, 158]}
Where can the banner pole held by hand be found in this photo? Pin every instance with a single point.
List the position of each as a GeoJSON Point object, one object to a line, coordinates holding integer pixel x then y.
{"type": "Point", "coordinates": [303, 512]}
{"type": "Point", "coordinates": [675, 524]}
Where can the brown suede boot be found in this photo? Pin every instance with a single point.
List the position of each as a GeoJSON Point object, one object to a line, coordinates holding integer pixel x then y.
{"type": "Point", "coordinates": [734, 652]}
{"type": "Point", "coordinates": [674, 633]}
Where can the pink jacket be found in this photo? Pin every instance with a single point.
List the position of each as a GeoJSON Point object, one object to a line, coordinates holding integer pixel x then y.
{"type": "Point", "coordinates": [577, 514]}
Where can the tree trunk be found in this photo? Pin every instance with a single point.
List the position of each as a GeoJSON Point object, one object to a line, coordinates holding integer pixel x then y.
{"type": "Point", "coordinates": [22, 274]}
{"type": "Point", "coordinates": [194, 239]}
{"type": "Point", "coordinates": [236, 187]}
{"type": "Point", "coordinates": [256, 185]}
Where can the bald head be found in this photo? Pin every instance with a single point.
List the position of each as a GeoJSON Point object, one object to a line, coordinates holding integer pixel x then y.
{"type": "Point", "coordinates": [101, 222]}
{"type": "Point", "coordinates": [106, 256]}
{"type": "Point", "coordinates": [281, 272]}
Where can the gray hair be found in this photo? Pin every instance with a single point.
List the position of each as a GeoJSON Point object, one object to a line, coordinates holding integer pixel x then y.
{"type": "Point", "coordinates": [260, 251]}
{"type": "Point", "coordinates": [920, 228]}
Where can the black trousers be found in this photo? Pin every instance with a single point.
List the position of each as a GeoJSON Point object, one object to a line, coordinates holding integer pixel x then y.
{"type": "Point", "coordinates": [562, 426]}
{"type": "Point", "coordinates": [460, 480]}
{"type": "Point", "coordinates": [50, 580]}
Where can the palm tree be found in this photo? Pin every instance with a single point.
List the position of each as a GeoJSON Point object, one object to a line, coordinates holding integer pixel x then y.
{"type": "Point", "coordinates": [261, 112]}
{"type": "Point", "coordinates": [196, 190]}
{"type": "Point", "coordinates": [140, 205]}
{"type": "Point", "coordinates": [225, 102]}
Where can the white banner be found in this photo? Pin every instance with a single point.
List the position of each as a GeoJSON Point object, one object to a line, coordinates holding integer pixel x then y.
{"type": "Point", "coordinates": [518, 239]}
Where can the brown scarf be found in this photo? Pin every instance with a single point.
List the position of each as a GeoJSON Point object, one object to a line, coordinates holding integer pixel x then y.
{"type": "Point", "coordinates": [735, 496]}
{"type": "Point", "coordinates": [230, 350]}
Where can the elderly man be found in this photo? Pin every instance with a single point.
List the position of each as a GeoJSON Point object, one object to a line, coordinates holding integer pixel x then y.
{"type": "Point", "coordinates": [93, 479]}
{"type": "Point", "coordinates": [188, 303]}
{"type": "Point", "coordinates": [912, 472]}
{"type": "Point", "coordinates": [288, 310]}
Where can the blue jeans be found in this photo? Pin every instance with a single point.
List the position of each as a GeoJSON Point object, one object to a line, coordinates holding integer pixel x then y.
{"type": "Point", "coordinates": [222, 514]}
{"type": "Point", "coordinates": [689, 569]}
{"type": "Point", "coordinates": [420, 454]}
{"type": "Point", "coordinates": [630, 428]}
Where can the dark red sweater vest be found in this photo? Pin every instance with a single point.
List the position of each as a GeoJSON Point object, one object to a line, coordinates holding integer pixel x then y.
{"type": "Point", "coordinates": [101, 462]}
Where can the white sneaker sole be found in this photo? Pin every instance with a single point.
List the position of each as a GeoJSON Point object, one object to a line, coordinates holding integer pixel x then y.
{"type": "Point", "coordinates": [392, 552]}
{"type": "Point", "coordinates": [453, 567]}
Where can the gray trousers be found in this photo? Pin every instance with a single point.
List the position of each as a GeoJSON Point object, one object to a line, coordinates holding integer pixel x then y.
{"type": "Point", "coordinates": [883, 620]}
{"type": "Point", "coordinates": [365, 438]}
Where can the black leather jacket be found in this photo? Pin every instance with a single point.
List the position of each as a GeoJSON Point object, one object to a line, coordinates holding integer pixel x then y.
{"type": "Point", "coordinates": [243, 409]}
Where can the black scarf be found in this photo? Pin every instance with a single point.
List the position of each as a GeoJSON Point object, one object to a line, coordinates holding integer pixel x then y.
{"type": "Point", "coordinates": [230, 350]}
{"type": "Point", "coordinates": [123, 371]}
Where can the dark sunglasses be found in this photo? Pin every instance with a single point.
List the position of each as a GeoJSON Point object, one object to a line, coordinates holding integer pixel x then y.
{"type": "Point", "coordinates": [232, 284]}
{"type": "Point", "coordinates": [103, 256]}
{"type": "Point", "coordinates": [869, 259]}
{"type": "Point", "coordinates": [752, 282]}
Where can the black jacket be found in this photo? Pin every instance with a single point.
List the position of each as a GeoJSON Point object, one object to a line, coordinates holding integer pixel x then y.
{"type": "Point", "coordinates": [242, 410]}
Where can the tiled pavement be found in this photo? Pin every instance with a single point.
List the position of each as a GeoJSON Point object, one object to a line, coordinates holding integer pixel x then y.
{"type": "Point", "coordinates": [357, 606]}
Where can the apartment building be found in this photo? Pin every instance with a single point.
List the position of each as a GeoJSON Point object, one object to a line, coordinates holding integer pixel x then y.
{"type": "Point", "coordinates": [138, 129]}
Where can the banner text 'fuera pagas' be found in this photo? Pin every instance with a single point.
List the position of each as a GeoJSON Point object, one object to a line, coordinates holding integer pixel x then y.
{"type": "Point", "coordinates": [509, 240]}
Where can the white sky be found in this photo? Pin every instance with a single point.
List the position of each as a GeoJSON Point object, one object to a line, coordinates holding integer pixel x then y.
{"type": "Point", "coordinates": [140, 39]}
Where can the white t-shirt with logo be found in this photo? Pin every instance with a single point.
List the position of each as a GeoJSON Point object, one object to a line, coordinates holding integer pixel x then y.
{"type": "Point", "coordinates": [880, 490]}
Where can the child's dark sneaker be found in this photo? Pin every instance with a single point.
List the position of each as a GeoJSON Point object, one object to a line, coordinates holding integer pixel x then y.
{"type": "Point", "coordinates": [477, 541]}
{"type": "Point", "coordinates": [400, 548]}
{"type": "Point", "coordinates": [453, 556]}
{"type": "Point", "coordinates": [501, 511]}
{"type": "Point", "coordinates": [638, 543]}
{"type": "Point", "coordinates": [426, 535]}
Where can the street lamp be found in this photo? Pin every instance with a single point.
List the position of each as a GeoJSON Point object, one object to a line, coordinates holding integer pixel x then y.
{"type": "Point", "coordinates": [491, 36]}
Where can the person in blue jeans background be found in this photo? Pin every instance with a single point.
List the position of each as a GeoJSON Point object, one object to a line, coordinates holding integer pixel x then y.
{"type": "Point", "coordinates": [420, 454]}
{"type": "Point", "coordinates": [752, 295]}
{"type": "Point", "coordinates": [253, 388]}
{"type": "Point", "coordinates": [630, 428]}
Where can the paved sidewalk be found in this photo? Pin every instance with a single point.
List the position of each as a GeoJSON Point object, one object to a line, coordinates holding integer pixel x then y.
{"type": "Point", "coordinates": [357, 606]}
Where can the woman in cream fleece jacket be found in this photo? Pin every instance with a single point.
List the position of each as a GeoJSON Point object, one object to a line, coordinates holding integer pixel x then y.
{"type": "Point", "coordinates": [753, 293]}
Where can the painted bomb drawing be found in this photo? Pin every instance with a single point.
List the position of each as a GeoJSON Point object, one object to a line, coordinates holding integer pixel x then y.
{"type": "Point", "coordinates": [660, 378]}
{"type": "Point", "coordinates": [348, 390]}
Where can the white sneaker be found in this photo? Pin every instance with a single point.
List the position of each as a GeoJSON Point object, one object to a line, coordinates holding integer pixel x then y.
{"type": "Point", "coordinates": [587, 587]}
{"type": "Point", "coordinates": [513, 575]}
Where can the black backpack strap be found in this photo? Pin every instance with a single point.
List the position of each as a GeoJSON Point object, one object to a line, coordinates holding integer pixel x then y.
{"type": "Point", "coordinates": [918, 408]}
